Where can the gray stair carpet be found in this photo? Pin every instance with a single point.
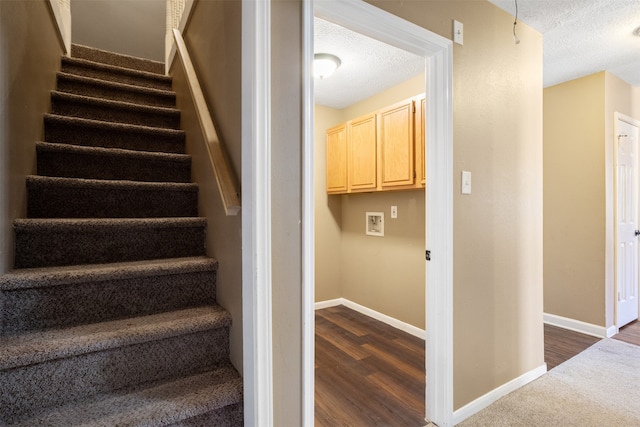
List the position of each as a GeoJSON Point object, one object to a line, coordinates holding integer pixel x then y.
{"type": "Point", "coordinates": [110, 317]}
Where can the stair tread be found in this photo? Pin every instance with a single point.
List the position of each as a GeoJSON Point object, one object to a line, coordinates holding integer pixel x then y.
{"type": "Point", "coordinates": [116, 69]}
{"type": "Point", "coordinates": [28, 278]}
{"type": "Point", "coordinates": [115, 85]}
{"type": "Point", "coordinates": [110, 184]}
{"type": "Point", "coordinates": [88, 223]}
{"type": "Point", "coordinates": [85, 52]}
{"type": "Point", "coordinates": [114, 125]}
{"type": "Point", "coordinates": [109, 103]}
{"type": "Point", "coordinates": [121, 152]}
{"type": "Point", "coordinates": [38, 347]}
{"type": "Point", "coordinates": [157, 404]}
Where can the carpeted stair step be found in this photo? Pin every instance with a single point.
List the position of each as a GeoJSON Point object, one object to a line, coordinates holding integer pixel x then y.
{"type": "Point", "coordinates": [118, 59]}
{"type": "Point", "coordinates": [76, 161]}
{"type": "Point", "coordinates": [44, 298]}
{"type": "Point", "coordinates": [53, 197]}
{"type": "Point", "coordinates": [68, 104]}
{"type": "Point", "coordinates": [88, 86]}
{"type": "Point", "coordinates": [96, 133]}
{"type": "Point", "coordinates": [57, 242]}
{"type": "Point", "coordinates": [97, 70]}
{"type": "Point", "coordinates": [46, 369]}
{"type": "Point", "coordinates": [213, 398]}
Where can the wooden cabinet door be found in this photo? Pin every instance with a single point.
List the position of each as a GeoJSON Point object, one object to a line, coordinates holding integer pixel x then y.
{"type": "Point", "coordinates": [396, 144]}
{"type": "Point", "coordinates": [337, 159]}
{"type": "Point", "coordinates": [420, 125]}
{"type": "Point", "coordinates": [362, 164]}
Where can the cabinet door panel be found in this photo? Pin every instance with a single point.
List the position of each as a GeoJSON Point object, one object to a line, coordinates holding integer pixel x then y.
{"type": "Point", "coordinates": [420, 125]}
{"type": "Point", "coordinates": [396, 144]}
{"type": "Point", "coordinates": [362, 164]}
{"type": "Point", "coordinates": [337, 159]}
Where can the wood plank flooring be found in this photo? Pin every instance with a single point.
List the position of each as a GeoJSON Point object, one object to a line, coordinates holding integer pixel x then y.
{"type": "Point", "coordinates": [371, 374]}
{"type": "Point", "coordinates": [630, 333]}
{"type": "Point", "coordinates": [561, 344]}
{"type": "Point", "coordinates": [367, 373]}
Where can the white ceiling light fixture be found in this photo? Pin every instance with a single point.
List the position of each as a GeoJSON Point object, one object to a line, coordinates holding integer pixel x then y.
{"type": "Point", "coordinates": [325, 64]}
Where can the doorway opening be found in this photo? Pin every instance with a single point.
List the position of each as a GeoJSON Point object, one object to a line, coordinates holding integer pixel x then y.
{"type": "Point", "coordinates": [369, 275]}
{"type": "Point", "coordinates": [627, 229]}
{"type": "Point", "coordinates": [437, 53]}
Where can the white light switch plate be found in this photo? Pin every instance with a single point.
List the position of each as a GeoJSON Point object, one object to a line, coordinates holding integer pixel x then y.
{"type": "Point", "coordinates": [394, 212]}
{"type": "Point", "coordinates": [466, 182]}
{"type": "Point", "coordinates": [458, 32]}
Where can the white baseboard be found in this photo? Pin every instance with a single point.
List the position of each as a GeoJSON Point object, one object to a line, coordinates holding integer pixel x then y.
{"type": "Point", "coordinates": [398, 324]}
{"type": "Point", "coordinates": [495, 394]}
{"type": "Point", "coordinates": [329, 303]}
{"type": "Point", "coordinates": [579, 326]}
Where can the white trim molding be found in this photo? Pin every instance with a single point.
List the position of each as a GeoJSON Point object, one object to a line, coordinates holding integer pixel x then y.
{"type": "Point", "coordinates": [367, 19]}
{"type": "Point", "coordinates": [483, 401]}
{"type": "Point", "coordinates": [391, 321]}
{"type": "Point", "coordinates": [579, 326]}
{"type": "Point", "coordinates": [308, 221]}
{"type": "Point", "coordinates": [256, 216]}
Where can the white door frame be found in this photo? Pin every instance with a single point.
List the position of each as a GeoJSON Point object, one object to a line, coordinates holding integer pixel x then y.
{"type": "Point", "coordinates": [438, 52]}
{"type": "Point", "coordinates": [256, 214]}
{"type": "Point", "coordinates": [633, 122]}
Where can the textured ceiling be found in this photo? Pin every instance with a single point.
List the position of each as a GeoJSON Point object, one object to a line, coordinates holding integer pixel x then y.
{"type": "Point", "coordinates": [582, 37]}
{"type": "Point", "coordinates": [368, 66]}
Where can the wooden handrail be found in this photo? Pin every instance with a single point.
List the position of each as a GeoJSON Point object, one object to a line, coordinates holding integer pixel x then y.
{"type": "Point", "coordinates": [227, 183]}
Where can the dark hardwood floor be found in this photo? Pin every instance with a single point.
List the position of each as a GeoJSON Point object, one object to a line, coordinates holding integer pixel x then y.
{"type": "Point", "coordinates": [561, 344]}
{"type": "Point", "coordinates": [371, 374]}
{"type": "Point", "coordinates": [630, 333]}
{"type": "Point", "coordinates": [367, 373]}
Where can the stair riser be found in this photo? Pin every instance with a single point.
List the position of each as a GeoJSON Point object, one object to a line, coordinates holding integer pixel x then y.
{"type": "Point", "coordinates": [99, 73]}
{"type": "Point", "coordinates": [100, 166]}
{"type": "Point", "coordinates": [27, 310]}
{"type": "Point", "coordinates": [229, 416]}
{"type": "Point", "coordinates": [33, 388]}
{"type": "Point", "coordinates": [99, 245]}
{"type": "Point", "coordinates": [92, 136]}
{"type": "Point", "coordinates": [96, 55]}
{"type": "Point", "coordinates": [73, 108]}
{"type": "Point", "coordinates": [53, 201]}
{"type": "Point", "coordinates": [105, 92]}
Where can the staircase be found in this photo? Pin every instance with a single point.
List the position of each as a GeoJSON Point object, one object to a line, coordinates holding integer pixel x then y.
{"type": "Point", "coordinates": [109, 317]}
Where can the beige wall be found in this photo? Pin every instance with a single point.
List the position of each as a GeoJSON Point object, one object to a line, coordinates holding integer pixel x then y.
{"type": "Point", "coordinates": [574, 200]}
{"type": "Point", "coordinates": [386, 274]}
{"type": "Point", "coordinates": [30, 52]}
{"type": "Point", "coordinates": [579, 150]}
{"type": "Point", "coordinates": [328, 213]}
{"type": "Point", "coordinates": [286, 184]}
{"type": "Point", "coordinates": [635, 101]}
{"type": "Point", "coordinates": [497, 101]}
{"type": "Point", "coordinates": [214, 32]}
{"type": "Point", "coordinates": [131, 27]}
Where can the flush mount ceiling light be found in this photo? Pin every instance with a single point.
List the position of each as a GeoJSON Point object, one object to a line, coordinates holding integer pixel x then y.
{"type": "Point", "coordinates": [324, 64]}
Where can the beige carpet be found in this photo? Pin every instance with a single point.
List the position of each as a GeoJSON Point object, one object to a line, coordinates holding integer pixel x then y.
{"type": "Point", "coordinates": [598, 387]}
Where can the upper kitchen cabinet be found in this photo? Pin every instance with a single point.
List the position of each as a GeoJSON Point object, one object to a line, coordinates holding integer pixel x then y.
{"type": "Point", "coordinates": [396, 145]}
{"type": "Point", "coordinates": [337, 159]}
{"type": "Point", "coordinates": [381, 151]}
{"type": "Point", "coordinates": [363, 154]}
